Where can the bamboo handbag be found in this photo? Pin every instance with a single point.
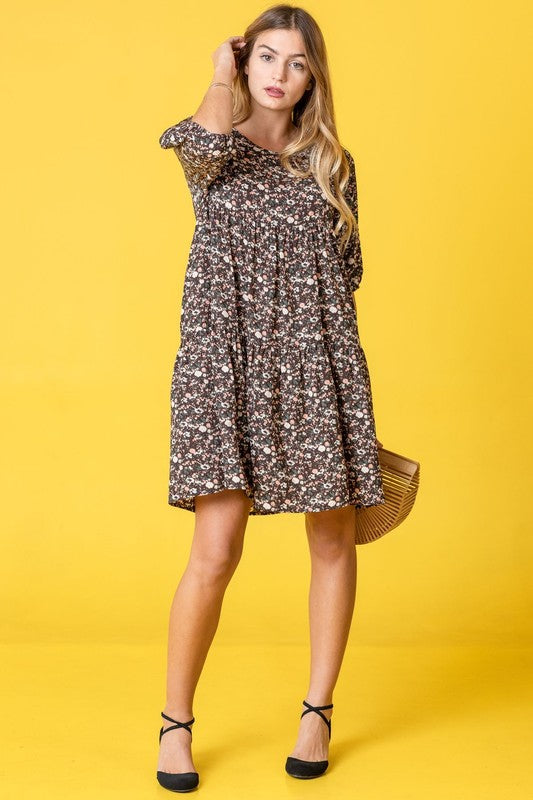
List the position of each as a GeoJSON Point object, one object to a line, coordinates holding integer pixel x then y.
{"type": "Point", "coordinates": [401, 478]}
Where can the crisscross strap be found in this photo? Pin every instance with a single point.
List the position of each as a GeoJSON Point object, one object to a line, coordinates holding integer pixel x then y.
{"type": "Point", "coordinates": [318, 710]}
{"type": "Point", "coordinates": [174, 727]}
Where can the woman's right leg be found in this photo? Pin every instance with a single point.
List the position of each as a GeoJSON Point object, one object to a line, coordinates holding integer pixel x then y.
{"type": "Point", "coordinates": [220, 524]}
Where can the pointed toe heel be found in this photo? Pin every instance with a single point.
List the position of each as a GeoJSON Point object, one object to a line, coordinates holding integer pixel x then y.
{"type": "Point", "coordinates": [177, 781]}
{"type": "Point", "coordinates": [297, 767]}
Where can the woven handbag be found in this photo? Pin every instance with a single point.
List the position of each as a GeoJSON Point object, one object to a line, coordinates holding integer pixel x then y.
{"type": "Point", "coordinates": [401, 478]}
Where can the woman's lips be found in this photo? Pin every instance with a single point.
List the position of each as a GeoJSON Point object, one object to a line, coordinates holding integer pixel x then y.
{"type": "Point", "coordinates": [274, 92]}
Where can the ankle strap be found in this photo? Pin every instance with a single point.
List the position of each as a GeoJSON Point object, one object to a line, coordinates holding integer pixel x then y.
{"type": "Point", "coordinates": [316, 708]}
{"type": "Point", "coordinates": [178, 724]}
{"type": "Point", "coordinates": [189, 722]}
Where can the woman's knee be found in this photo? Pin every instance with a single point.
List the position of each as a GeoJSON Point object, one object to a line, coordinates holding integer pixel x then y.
{"type": "Point", "coordinates": [331, 534]}
{"type": "Point", "coordinates": [220, 525]}
{"type": "Point", "coordinates": [215, 564]}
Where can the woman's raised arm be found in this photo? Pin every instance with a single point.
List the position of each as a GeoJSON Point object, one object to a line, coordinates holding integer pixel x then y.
{"type": "Point", "coordinates": [204, 142]}
{"type": "Point", "coordinates": [216, 109]}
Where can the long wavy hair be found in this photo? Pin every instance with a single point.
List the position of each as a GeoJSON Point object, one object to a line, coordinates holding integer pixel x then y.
{"type": "Point", "coordinates": [313, 114]}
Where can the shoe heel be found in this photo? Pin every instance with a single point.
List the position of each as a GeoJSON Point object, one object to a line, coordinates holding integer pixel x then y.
{"type": "Point", "coordinates": [298, 767]}
{"type": "Point", "coordinates": [177, 781]}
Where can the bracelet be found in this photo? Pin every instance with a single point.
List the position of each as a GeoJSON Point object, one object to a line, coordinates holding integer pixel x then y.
{"type": "Point", "coordinates": [219, 83]}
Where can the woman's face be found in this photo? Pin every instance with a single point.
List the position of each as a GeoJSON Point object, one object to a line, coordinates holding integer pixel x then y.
{"type": "Point", "coordinates": [278, 59]}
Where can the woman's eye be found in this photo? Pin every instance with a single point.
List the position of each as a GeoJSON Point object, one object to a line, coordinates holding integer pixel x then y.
{"type": "Point", "coordinates": [298, 63]}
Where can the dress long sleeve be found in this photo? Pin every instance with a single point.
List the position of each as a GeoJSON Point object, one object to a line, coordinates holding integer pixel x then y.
{"type": "Point", "coordinates": [352, 256]}
{"type": "Point", "coordinates": [202, 153]}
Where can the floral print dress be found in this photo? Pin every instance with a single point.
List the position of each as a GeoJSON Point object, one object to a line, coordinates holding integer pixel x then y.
{"type": "Point", "coordinates": [270, 390]}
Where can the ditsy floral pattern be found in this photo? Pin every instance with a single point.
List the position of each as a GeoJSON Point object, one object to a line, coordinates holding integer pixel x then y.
{"type": "Point", "coordinates": [270, 389]}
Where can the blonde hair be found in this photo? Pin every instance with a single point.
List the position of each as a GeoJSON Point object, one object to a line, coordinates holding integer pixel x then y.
{"type": "Point", "coordinates": [313, 114]}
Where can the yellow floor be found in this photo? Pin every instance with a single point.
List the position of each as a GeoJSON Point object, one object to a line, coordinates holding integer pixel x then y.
{"type": "Point", "coordinates": [82, 721]}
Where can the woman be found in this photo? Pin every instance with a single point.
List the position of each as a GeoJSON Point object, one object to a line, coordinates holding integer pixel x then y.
{"type": "Point", "coordinates": [271, 398]}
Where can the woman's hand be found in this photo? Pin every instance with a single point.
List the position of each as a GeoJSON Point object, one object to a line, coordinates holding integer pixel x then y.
{"type": "Point", "coordinates": [226, 55]}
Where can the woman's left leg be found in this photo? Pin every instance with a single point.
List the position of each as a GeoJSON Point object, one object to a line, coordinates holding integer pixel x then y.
{"type": "Point", "coordinates": [331, 537]}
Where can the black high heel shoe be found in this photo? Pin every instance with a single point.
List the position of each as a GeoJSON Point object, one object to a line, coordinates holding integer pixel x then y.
{"type": "Point", "coordinates": [299, 768]}
{"type": "Point", "coordinates": [177, 781]}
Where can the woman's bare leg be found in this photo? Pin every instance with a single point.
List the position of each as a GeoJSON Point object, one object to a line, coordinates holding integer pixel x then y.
{"type": "Point", "coordinates": [220, 524]}
{"type": "Point", "coordinates": [331, 537]}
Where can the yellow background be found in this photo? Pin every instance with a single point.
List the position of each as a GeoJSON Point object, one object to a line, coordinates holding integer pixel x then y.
{"type": "Point", "coordinates": [434, 102]}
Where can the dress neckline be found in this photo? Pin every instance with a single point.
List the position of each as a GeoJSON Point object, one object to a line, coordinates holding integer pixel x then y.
{"type": "Point", "coordinates": [257, 146]}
